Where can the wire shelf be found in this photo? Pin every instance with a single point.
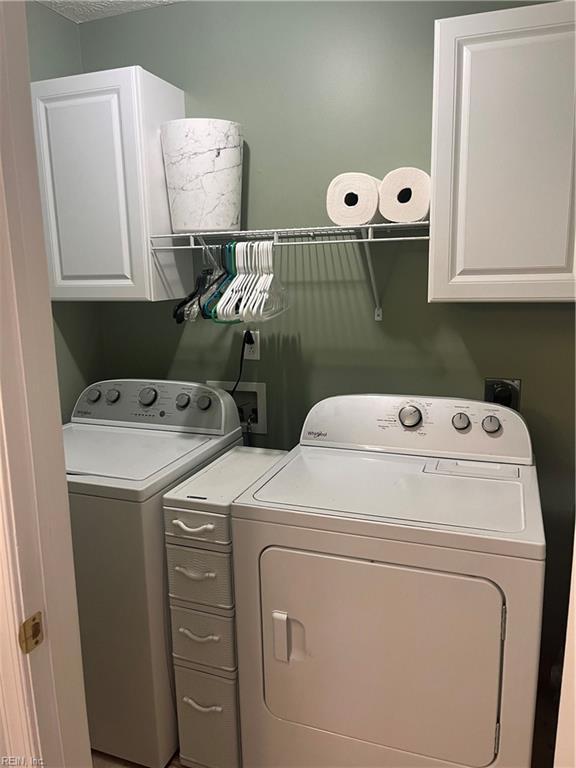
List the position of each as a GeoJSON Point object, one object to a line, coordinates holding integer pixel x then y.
{"type": "Point", "coordinates": [306, 236]}
{"type": "Point", "coordinates": [373, 233]}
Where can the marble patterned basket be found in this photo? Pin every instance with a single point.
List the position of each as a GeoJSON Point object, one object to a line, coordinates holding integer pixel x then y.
{"type": "Point", "coordinates": [203, 163]}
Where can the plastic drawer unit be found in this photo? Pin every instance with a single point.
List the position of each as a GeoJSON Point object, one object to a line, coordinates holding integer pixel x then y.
{"type": "Point", "coordinates": [199, 560]}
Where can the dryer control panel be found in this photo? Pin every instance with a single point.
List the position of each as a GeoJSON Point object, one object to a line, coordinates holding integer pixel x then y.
{"type": "Point", "coordinates": [182, 406]}
{"type": "Point", "coordinates": [423, 426]}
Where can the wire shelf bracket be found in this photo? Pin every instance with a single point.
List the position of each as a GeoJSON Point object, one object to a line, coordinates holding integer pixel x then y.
{"type": "Point", "coordinates": [372, 279]}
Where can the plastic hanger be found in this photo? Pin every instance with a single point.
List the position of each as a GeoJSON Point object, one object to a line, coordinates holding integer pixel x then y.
{"type": "Point", "coordinates": [217, 313]}
{"type": "Point", "coordinates": [252, 291]}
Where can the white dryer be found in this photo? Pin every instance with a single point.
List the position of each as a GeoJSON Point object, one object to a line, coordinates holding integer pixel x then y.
{"type": "Point", "coordinates": [389, 575]}
{"type": "Point", "coordinates": [128, 442]}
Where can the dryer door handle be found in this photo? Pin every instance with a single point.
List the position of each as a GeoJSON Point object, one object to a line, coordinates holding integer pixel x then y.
{"type": "Point", "coordinates": [280, 634]}
{"type": "Point", "coordinates": [194, 575]}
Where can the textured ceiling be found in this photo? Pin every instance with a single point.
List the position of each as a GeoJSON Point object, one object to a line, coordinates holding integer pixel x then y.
{"type": "Point", "coordinates": [88, 10]}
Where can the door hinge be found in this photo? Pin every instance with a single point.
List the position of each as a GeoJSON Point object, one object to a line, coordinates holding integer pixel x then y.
{"type": "Point", "coordinates": [503, 624]}
{"type": "Point", "coordinates": [31, 632]}
{"type": "Point", "coordinates": [497, 739]}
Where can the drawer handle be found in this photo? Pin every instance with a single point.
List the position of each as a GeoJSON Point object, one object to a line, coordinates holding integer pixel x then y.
{"type": "Point", "coordinates": [194, 575]}
{"type": "Point", "coordinates": [207, 527]}
{"type": "Point", "coordinates": [199, 707]}
{"type": "Point", "coordinates": [199, 638]}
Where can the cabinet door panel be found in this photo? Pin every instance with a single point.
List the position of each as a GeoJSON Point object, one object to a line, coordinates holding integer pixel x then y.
{"type": "Point", "coordinates": [502, 225]}
{"type": "Point", "coordinates": [91, 180]}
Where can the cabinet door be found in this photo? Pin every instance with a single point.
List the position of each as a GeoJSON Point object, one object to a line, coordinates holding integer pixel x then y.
{"type": "Point", "coordinates": [405, 658]}
{"type": "Point", "coordinates": [502, 218]}
{"type": "Point", "coordinates": [91, 181]}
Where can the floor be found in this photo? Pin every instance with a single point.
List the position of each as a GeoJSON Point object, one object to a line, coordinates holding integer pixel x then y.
{"type": "Point", "coordinates": [100, 760]}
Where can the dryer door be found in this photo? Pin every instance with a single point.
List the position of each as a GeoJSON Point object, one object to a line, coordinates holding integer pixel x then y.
{"type": "Point", "coordinates": [405, 658]}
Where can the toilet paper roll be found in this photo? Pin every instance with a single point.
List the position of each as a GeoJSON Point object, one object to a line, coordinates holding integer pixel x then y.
{"type": "Point", "coordinates": [203, 163]}
{"type": "Point", "coordinates": [405, 195]}
{"type": "Point", "coordinates": [352, 199]}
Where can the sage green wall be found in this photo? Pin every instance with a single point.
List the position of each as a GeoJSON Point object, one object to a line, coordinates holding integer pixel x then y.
{"type": "Point", "coordinates": [322, 88]}
{"type": "Point", "coordinates": [319, 87]}
{"type": "Point", "coordinates": [54, 51]}
{"type": "Point", "coordinates": [53, 43]}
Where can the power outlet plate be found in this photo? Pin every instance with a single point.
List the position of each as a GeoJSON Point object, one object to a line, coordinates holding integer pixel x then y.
{"type": "Point", "coordinates": [252, 351]}
{"type": "Point", "coordinates": [250, 398]}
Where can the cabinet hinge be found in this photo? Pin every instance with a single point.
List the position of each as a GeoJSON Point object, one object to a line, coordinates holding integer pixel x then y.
{"type": "Point", "coordinates": [497, 739]}
{"type": "Point", "coordinates": [503, 624]}
{"type": "Point", "coordinates": [31, 632]}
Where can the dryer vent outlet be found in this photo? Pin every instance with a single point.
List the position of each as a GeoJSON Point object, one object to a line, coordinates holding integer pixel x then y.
{"type": "Point", "coordinates": [503, 391]}
{"type": "Point", "coordinates": [250, 399]}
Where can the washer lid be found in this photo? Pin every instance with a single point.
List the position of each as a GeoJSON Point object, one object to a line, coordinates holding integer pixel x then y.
{"type": "Point", "coordinates": [124, 453]}
{"type": "Point", "coordinates": [372, 485]}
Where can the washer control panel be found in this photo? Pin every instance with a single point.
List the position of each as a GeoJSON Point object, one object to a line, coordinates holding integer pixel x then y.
{"type": "Point", "coordinates": [424, 426]}
{"type": "Point", "coordinates": [171, 405]}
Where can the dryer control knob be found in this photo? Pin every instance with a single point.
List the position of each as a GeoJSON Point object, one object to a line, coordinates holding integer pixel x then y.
{"type": "Point", "coordinates": [182, 401]}
{"type": "Point", "coordinates": [204, 402]}
{"type": "Point", "coordinates": [410, 416]}
{"type": "Point", "coordinates": [491, 424]}
{"type": "Point", "coordinates": [112, 395]}
{"type": "Point", "coordinates": [147, 396]}
{"type": "Point", "coordinates": [93, 395]}
{"type": "Point", "coordinates": [460, 421]}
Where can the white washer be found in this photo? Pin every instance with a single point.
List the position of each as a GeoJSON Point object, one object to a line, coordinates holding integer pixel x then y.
{"type": "Point", "coordinates": [128, 442]}
{"type": "Point", "coordinates": [389, 575]}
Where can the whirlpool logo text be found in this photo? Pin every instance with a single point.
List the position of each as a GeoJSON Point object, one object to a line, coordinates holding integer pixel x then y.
{"type": "Point", "coordinates": [318, 435]}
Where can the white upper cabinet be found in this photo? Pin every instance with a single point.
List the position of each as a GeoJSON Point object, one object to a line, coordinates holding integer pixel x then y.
{"type": "Point", "coordinates": [502, 217]}
{"type": "Point", "coordinates": [102, 184]}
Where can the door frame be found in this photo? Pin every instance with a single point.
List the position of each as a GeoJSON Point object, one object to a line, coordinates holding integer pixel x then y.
{"type": "Point", "coordinates": [42, 705]}
{"type": "Point", "coordinates": [565, 750]}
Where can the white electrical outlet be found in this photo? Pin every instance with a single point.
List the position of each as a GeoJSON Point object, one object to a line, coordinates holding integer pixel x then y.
{"type": "Point", "coordinates": [252, 351]}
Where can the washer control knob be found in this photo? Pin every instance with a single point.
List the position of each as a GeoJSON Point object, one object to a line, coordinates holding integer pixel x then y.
{"type": "Point", "coordinates": [112, 395]}
{"type": "Point", "coordinates": [147, 396]}
{"type": "Point", "coordinates": [410, 416]}
{"type": "Point", "coordinates": [93, 395]}
{"type": "Point", "coordinates": [460, 421]}
{"type": "Point", "coordinates": [182, 401]}
{"type": "Point", "coordinates": [204, 402]}
{"type": "Point", "coordinates": [491, 424]}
